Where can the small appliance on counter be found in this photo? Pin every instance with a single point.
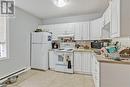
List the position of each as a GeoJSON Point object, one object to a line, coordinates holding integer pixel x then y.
{"type": "Point", "coordinates": [77, 46]}
{"type": "Point", "coordinates": [55, 45]}
{"type": "Point", "coordinates": [97, 44]}
{"type": "Point", "coordinates": [67, 46]}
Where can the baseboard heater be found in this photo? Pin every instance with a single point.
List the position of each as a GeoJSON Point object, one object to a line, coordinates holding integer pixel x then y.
{"type": "Point", "coordinates": [13, 74]}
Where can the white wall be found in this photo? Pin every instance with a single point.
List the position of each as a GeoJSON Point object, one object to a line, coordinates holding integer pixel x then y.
{"type": "Point", "coordinates": [19, 42]}
{"type": "Point", "coordinates": [72, 19]}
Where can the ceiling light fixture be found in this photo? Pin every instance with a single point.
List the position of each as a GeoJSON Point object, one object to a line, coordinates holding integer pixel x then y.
{"type": "Point", "coordinates": [60, 3]}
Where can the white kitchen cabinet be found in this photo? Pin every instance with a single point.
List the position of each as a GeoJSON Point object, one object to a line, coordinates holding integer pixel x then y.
{"type": "Point", "coordinates": [69, 28]}
{"type": "Point", "coordinates": [45, 27]}
{"type": "Point", "coordinates": [107, 14]}
{"type": "Point", "coordinates": [53, 30]}
{"type": "Point", "coordinates": [81, 31]}
{"type": "Point", "coordinates": [95, 70]}
{"type": "Point", "coordinates": [120, 25]}
{"type": "Point", "coordinates": [77, 62]}
{"type": "Point", "coordinates": [52, 59]}
{"type": "Point", "coordinates": [95, 29]}
{"type": "Point", "coordinates": [78, 31]}
{"type": "Point", "coordinates": [110, 74]}
{"type": "Point", "coordinates": [66, 28]}
{"type": "Point", "coordinates": [59, 29]}
{"type": "Point", "coordinates": [56, 29]}
{"type": "Point", "coordinates": [82, 62]}
{"type": "Point", "coordinates": [85, 31]}
{"type": "Point", "coordinates": [86, 63]}
{"type": "Point", "coordinates": [50, 28]}
{"type": "Point", "coordinates": [40, 26]}
{"type": "Point", "coordinates": [115, 24]}
{"type": "Point", "coordinates": [105, 33]}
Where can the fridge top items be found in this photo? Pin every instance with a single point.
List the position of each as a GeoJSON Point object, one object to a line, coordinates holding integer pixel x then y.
{"type": "Point", "coordinates": [38, 30]}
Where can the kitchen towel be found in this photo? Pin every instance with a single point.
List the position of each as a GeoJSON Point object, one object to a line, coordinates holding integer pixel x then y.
{"type": "Point", "coordinates": [69, 64]}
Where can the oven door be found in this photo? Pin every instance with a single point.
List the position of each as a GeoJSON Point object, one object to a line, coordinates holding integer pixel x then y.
{"type": "Point", "coordinates": [62, 62]}
{"type": "Point", "coordinates": [60, 59]}
{"type": "Point", "coordinates": [60, 65]}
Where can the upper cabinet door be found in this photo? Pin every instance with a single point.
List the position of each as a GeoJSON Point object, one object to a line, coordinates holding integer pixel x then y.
{"type": "Point", "coordinates": [57, 31]}
{"type": "Point", "coordinates": [66, 28]}
{"type": "Point", "coordinates": [107, 14]}
{"type": "Point", "coordinates": [81, 31]}
{"type": "Point", "coordinates": [50, 28]}
{"type": "Point", "coordinates": [70, 28]}
{"type": "Point", "coordinates": [77, 62]}
{"type": "Point", "coordinates": [85, 31]}
{"type": "Point", "coordinates": [44, 27]}
{"type": "Point", "coordinates": [95, 29]}
{"type": "Point", "coordinates": [86, 63]}
{"type": "Point", "coordinates": [115, 21]}
{"type": "Point", "coordinates": [78, 31]}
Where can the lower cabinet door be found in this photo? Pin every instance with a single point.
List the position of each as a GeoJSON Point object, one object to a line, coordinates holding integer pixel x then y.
{"type": "Point", "coordinates": [86, 63]}
{"type": "Point", "coordinates": [82, 62]}
{"type": "Point", "coordinates": [77, 62]}
{"type": "Point", "coordinates": [52, 60]}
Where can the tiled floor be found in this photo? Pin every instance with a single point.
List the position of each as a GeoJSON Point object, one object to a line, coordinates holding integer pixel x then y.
{"type": "Point", "coordinates": [34, 78]}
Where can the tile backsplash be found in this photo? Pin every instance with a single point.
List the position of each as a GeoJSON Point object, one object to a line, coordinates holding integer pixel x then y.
{"type": "Point", "coordinates": [83, 43]}
{"type": "Point", "coordinates": [124, 41]}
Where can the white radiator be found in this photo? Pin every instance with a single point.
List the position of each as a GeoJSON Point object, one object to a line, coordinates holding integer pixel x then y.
{"type": "Point", "coordinates": [4, 78]}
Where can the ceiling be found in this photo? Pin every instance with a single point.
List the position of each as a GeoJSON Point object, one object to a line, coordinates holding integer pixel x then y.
{"type": "Point", "coordinates": [46, 9]}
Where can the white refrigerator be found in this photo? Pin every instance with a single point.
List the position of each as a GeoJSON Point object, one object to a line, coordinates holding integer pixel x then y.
{"type": "Point", "coordinates": [40, 44]}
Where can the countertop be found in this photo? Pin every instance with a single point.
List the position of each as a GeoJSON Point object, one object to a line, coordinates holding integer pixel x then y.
{"type": "Point", "coordinates": [77, 50]}
{"type": "Point", "coordinates": [83, 50]}
{"type": "Point", "coordinates": [102, 59]}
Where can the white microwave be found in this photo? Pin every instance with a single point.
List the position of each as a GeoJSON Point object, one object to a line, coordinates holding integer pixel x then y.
{"type": "Point", "coordinates": [66, 38]}
{"type": "Point", "coordinates": [67, 45]}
